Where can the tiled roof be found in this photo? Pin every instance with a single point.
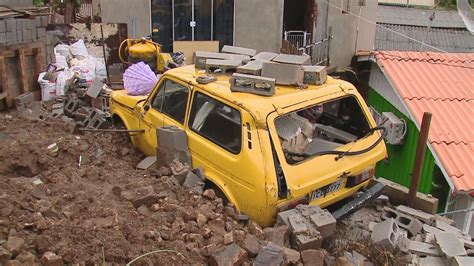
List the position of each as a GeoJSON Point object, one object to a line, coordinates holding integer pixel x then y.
{"type": "Point", "coordinates": [446, 39]}
{"type": "Point", "coordinates": [419, 17]}
{"type": "Point", "coordinates": [443, 84]}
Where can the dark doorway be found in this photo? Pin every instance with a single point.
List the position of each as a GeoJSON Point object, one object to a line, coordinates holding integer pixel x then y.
{"type": "Point", "coordinates": [299, 15]}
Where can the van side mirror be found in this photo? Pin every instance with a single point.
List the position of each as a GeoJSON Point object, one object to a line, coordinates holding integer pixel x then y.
{"type": "Point", "coordinates": [146, 107]}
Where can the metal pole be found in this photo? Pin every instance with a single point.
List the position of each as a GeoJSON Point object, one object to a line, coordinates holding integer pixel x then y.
{"type": "Point", "coordinates": [419, 157]}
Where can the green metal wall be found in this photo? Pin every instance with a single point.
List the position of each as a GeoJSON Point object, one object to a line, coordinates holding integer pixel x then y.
{"type": "Point", "coordinates": [399, 165]}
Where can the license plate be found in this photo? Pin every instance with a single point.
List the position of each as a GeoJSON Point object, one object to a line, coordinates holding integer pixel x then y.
{"type": "Point", "coordinates": [322, 192]}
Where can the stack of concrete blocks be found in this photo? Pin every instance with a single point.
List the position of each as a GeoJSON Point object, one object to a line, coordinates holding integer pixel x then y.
{"type": "Point", "coordinates": [172, 145]}
{"type": "Point", "coordinates": [22, 31]}
{"type": "Point", "coordinates": [309, 226]}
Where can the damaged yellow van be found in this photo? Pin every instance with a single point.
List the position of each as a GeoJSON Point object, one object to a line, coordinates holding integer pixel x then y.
{"type": "Point", "coordinates": [312, 145]}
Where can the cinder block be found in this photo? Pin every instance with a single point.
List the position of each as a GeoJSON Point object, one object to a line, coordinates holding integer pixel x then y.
{"type": "Point", "coordinates": [200, 58]}
{"type": "Point", "coordinates": [304, 242]}
{"type": "Point", "coordinates": [19, 36]}
{"type": "Point", "coordinates": [314, 75]}
{"type": "Point", "coordinates": [283, 217]}
{"type": "Point", "coordinates": [11, 37]}
{"type": "Point", "coordinates": [386, 233]}
{"type": "Point", "coordinates": [406, 222]}
{"type": "Point", "coordinates": [251, 68]}
{"type": "Point", "coordinates": [264, 56]}
{"type": "Point", "coordinates": [324, 223]}
{"type": "Point", "coordinates": [22, 100]}
{"type": "Point", "coordinates": [31, 24]}
{"type": "Point", "coordinates": [285, 74]}
{"type": "Point", "coordinates": [224, 65]}
{"type": "Point", "coordinates": [26, 35]}
{"type": "Point", "coordinates": [3, 27]}
{"type": "Point", "coordinates": [293, 59]}
{"type": "Point", "coordinates": [238, 50]}
{"type": "Point", "coordinates": [252, 84]}
{"type": "Point", "coordinates": [165, 157]}
{"type": "Point", "coordinates": [462, 261]}
{"type": "Point", "coordinates": [38, 22]}
{"type": "Point", "coordinates": [10, 25]}
{"type": "Point", "coordinates": [3, 37]}
{"type": "Point", "coordinates": [450, 245]}
{"type": "Point", "coordinates": [421, 248]}
{"type": "Point", "coordinates": [33, 34]}
{"type": "Point", "coordinates": [41, 32]}
{"type": "Point", "coordinates": [422, 216]}
{"type": "Point", "coordinates": [95, 88]}
{"type": "Point", "coordinates": [297, 224]}
{"type": "Point", "coordinates": [172, 138]}
{"type": "Point", "coordinates": [44, 21]}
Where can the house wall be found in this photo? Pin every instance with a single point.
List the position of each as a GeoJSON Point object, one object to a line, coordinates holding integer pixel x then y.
{"type": "Point", "coordinates": [462, 220]}
{"type": "Point", "coordinates": [349, 33]}
{"type": "Point", "coordinates": [399, 165]}
{"type": "Point", "coordinates": [120, 11]}
{"type": "Point", "coordinates": [259, 24]}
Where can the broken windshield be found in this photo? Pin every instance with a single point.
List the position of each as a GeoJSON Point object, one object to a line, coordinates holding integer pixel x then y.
{"type": "Point", "coordinates": [321, 128]}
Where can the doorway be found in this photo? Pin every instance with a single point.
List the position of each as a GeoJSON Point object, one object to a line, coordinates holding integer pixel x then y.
{"type": "Point", "coordinates": [299, 15]}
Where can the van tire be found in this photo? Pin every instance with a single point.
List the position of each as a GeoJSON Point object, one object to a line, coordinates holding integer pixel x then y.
{"type": "Point", "coordinates": [210, 185]}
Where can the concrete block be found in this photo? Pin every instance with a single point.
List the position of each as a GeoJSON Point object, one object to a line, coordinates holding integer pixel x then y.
{"type": "Point", "coordinates": [448, 228]}
{"type": "Point", "coordinates": [146, 163]}
{"type": "Point", "coordinates": [200, 58]}
{"type": "Point", "coordinates": [406, 222]}
{"type": "Point", "coordinates": [172, 138]}
{"type": "Point", "coordinates": [44, 21]}
{"type": "Point", "coordinates": [450, 245]}
{"type": "Point", "coordinates": [285, 74]}
{"type": "Point", "coordinates": [386, 233]}
{"type": "Point", "coordinates": [41, 32]}
{"type": "Point", "coordinates": [166, 156]}
{"type": "Point", "coordinates": [293, 59]}
{"type": "Point", "coordinates": [23, 100]}
{"type": "Point", "coordinates": [3, 26]}
{"type": "Point", "coordinates": [19, 36]}
{"type": "Point", "coordinates": [303, 242]}
{"type": "Point", "coordinates": [324, 223]}
{"type": "Point", "coordinates": [398, 195]}
{"type": "Point", "coordinates": [30, 24]}
{"type": "Point", "coordinates": [462, 261]}
{"type": "Point", "coordinates": [283, 217]}
{"type": "Point", "coordinates": [420, 215]}
{"type": "Point", "coordinates": [224, 65]}
{"type": "Point", "coordinates": [264, 56]}
{"type": "Point", "coordinates": [431, 261]}
{"type": "Point", "coordinates": [252, 84]}
{"type": "Point", "coordinates": [422, 248]}
{"type": "Point", "coordinates": [192, 180]}
{"type": "Point", "coordinates": [10, 25]}
{"type": "Point", "coordinates": [430, 229]}
{"type": "Point", "coordinates": [238, 50]}
{"type": "Point", "coordinates": [251, 68]}
{"type": "Point", "coordinates": [11, 37]}
{"type": "Point", "coordinates": [271, 254]}
{"type": "Point", "coordinates": [26, 35]}
{"type": "Point", "coordinates": [297, 224]}
{"type": "Point", "coordinates": [314, 75]}
{"type": "Point", "coordinates": [3, 37]}
{"type": "Point", "coordinates": [96, 87]}
{"type": "Point", "coordinates": [34, 36]}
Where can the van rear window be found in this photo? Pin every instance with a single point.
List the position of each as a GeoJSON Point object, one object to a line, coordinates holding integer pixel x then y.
{"type": "Point", "coordinates": [319, 128]}
{"type": "Point", "coordinates": [216, 122]}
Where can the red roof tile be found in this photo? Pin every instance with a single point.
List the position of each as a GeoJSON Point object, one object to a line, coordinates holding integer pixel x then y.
{"type": "Point", "coordinates": [443, 84]}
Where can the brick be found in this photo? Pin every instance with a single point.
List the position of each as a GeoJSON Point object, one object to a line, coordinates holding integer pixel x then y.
{"type": "Point", "coordinates": [406, 222]}
{"type": "Point", "coordinates": [422, 248]}
{"type": "Point", "coordinates": [225, 66]}
{"type": "Point", "coordinates": [3, 37]}
{"type": "Point", "coordinates": [314, 75]}
{"type": "Point", "coordinates": [3, 27]}
{"type": "Point", "coordinates": [33, 34]}
{"type": "Point", "coordinates": [293, 59]}
{"type": "Point", "coordinates": [251, 68]}
{"type": "Point", "coordinates": [38, 22]}
{"type": "Point", "coordinates": [324, 223]}
{"type": "Point", "coordinates": [41, 32]}
{"type": "Point", "coordinates": [386, 233]}
{"type": "Point", "coordinates": [19, 36]}
{"type": "Point", "coordinates": [172, 138]}
{"type": "Point", "coordinates": [238, 50]}
{"type": "Point", "coordinates": [422, 216]}
{"type": "Point", "coordinates": [26, 35]}
{"type": "Point", "coordinates": [252, 84]}
{"type": "Point", "coordinates": [11, 37]}
{"type": "Point", "coordinates": [450, 245]}
{"type": "Point", "coordinates": [264, 56]}
{"type": "Point", "coordinates": [271, 254]}
{"type": "Point", "coordinates": [285, 74]}
{"type": "Point", "coordinates": [10, 25]}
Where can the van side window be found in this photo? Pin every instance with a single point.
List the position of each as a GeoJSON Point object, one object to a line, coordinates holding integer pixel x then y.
{"type": "Point", "coordinates": [216, 122]}
{"type": "Point", "coordinates": [171, 99]}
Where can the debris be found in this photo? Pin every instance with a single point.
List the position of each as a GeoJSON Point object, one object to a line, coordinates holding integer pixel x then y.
{"type": "Point", "coordinates": [251, 245]}
{"type": "Point", "coordinates": [386, 233]}
{"type": "Point", "coordinates": [51, 259]}
{"type": "Point", "coordinates": [406, 222]}
{"type": "Point", "coordinates": [290, 256]}
{"type": "Point", "coordinates": [14, 245]}
{"type": "Point", "coordinates": [5, 255]}
{"type": "Point", "coordinates": [450, 245]}
{"type": "Point", "coordinates": [228, 238]}
{"type": "Point", "coordinates": [278, 235]}
{"type": "Point", "coordinates": [228, 256]}
{"type": "Point", "coordinates": [147, 163]}
{"type": "Point", "coordinates": [422, 216]}
{"type": "Point", "coordinates": [271, 254]}
{"type": "Point", "coordinates": [313, 257]}
{"type": "Point", "coordinates": [324, 223]}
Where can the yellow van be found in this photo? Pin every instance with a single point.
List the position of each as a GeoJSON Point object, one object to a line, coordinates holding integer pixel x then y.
{"type": "Point", "coordinates": [303, 145]}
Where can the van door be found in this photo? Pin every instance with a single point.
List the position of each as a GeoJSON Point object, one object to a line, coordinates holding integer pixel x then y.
{"type": "Point", "coordinates": [223, 141]}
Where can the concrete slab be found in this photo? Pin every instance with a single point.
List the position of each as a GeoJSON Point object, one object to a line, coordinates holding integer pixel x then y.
{"type": "Point", "coordinates": [422, 216]}
{"type": "Point", "coordinates": [450, 245]}
{"type": "Point", "coordinates": [431, 261]}
{"type": "Point", "coordinates": [324, 223]}
{"type": "Point", "coordinates": [385, 233]}
{"type": "Point", "coordinates": [422, 248]}
{"type": "Point", "coordinates": [146, 163]}
{"type": "Point", "coordinates": [95, 88]}
{"type": "Point", "coordinates": [238, 50]}
{"type": "Point", "coordinates": [264, 56]}
{"type": "Point", "coordinates": [285, 74]}
{"type": "Point", "coordinates": [251, 68]}
{"type": "Point", "coordinates": [462, 261]}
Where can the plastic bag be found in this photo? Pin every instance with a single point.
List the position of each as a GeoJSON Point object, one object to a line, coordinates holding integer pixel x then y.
{"type": "Point", "coordinates": [78, 49]}
{"type": "Point", "coordinates": [100, 70]}
{"type": "Point", "coordinates": [62, 49]}
{"type": "Point", "coordinates": [84, 67]}
{"type": "Point", "coordinates": [61, 61]}
{"type": "Point", "coordinates": [62, 80]}
{"type": "Point", "coordinates": [48, 88]}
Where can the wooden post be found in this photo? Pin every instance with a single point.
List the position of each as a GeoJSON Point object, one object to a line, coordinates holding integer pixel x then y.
{"type": "Point", "coordinates": [4, 82]}
{"type": "Point", "coordinates": [419, 158]}
{"type": "Point", "coordinates": [23, 74]}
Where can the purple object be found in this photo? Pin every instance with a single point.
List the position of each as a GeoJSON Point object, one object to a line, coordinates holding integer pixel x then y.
{"type": "Point", "coordinates": [139, 79]}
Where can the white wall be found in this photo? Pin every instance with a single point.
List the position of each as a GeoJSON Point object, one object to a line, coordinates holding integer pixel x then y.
{"type": "Point", "coordinates": [122, 11]}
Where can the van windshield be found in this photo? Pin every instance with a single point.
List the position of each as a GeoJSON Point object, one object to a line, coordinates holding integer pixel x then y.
{"type": "Point", "coordinates": [320, 128]}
